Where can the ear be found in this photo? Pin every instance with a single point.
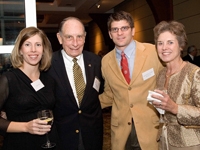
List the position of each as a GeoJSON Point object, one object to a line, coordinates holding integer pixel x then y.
{"type": "Point", "coordinates": [59, 37]}
{"type": "Point", "coordinates": [110, 34]}
{"type": "Point", "coordinates": [133, 31]}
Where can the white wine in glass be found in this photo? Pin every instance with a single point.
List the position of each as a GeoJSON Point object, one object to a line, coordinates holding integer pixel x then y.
{"type": "Point", "coordinates": [47, 115]}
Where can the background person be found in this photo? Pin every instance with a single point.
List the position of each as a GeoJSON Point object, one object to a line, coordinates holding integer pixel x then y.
{"type": "Point", "coordinates": [181, 79]}
{"type": "Point", "coordinates": [79, 124]}
{"type": "Point", "coordinates": [191, 54]}
{"type": "Point", "coordinates": [134, 122]}
{"type": "Point", "coordinates": [25, 90]}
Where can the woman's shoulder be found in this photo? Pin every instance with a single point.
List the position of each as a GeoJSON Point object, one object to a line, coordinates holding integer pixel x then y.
{"type": "Point", "coordinates": [9, 74]}
{"type": "Point", "coordinates": [189, 68]}
{"type": "Point", "coordinates": [192, 71]}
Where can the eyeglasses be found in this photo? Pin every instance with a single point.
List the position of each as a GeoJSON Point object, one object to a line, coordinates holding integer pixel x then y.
{"type": "Point", "coordinates": [123, 29]}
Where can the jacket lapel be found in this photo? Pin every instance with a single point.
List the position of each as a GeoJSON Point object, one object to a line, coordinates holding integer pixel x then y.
{"type": "Point", "coordinates": [89, 70]}
{"type": "Point", "coordinates": [140, 58]}
{"type": "Point", "coordinates": [60, 70]}
{"type": "Point", "coordinates": [115, 66]}
{"type": "Point", "coordinates": [139, 62]}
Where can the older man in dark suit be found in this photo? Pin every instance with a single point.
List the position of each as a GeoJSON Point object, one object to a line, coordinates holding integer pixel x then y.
{"type": "Point", "coordinates": [78, 114]}
{"type": "Point", "coordinates": [192, 53]}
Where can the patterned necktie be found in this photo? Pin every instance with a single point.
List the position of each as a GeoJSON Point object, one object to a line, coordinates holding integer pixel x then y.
{"type": "Point", "coordinates": [124, 67]}
{"type": "Point", "coordinates": [78, 80]}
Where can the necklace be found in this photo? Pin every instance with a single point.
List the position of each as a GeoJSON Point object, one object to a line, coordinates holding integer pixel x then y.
{"type": "Point", "coordinates": [177, 70]}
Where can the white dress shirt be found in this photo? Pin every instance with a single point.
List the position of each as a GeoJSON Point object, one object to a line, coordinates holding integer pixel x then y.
{"type": "Point", "coordinates": [69, 69]}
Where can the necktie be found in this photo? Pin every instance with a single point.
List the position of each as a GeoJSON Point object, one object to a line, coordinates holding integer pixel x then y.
{"type": "Point", "coordinates": [124, 67]}
{"type": "Point", "coordinates": [78, 80]}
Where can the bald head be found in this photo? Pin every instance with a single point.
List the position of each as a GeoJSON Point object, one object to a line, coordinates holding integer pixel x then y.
{"type": "Point", "coordinates": [70, 19]}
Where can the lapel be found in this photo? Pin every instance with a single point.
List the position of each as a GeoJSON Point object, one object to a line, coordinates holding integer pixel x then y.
{"type": "Point", "coordinates": [89, 70]}
{"type": "Point", "coordinates": [140, 58]}
{"type": "Point", "coordinates": [115, 66]}
{"type": "Point", "coordinates": [59, 67]}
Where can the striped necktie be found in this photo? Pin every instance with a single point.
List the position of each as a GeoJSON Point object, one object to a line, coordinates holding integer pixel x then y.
{"type": "Point", "coordinates": [78, 80]}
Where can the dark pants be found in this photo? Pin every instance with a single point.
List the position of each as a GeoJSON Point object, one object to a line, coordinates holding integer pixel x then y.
{"type": "Point", "coordinates": [132, 141]}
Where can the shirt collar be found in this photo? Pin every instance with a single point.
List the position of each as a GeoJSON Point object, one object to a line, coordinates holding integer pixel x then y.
{"type": "Point", "coordinates": [128, 50]}
{"type": "Point", "coordinates": [68, 57]}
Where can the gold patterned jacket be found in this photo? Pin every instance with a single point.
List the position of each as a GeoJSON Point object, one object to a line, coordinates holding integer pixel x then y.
{"type": "Point", "coordinates": [183, 129]}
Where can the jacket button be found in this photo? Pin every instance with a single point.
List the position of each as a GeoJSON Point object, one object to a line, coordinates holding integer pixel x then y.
{"type": "Point", "coordinates": [129, 88]}
{"type": "Point", "coordinates": [131, 105]}
{"type": "Point", "coordinates": [77, 131]}
{"type": "Point", "coordinates": [79, 111]}
{"type": "Point", "coordinates": [129, 123]}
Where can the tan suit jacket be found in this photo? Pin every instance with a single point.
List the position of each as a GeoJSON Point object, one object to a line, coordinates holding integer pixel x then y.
{"type": "Point", "coordinates": [130, 100]}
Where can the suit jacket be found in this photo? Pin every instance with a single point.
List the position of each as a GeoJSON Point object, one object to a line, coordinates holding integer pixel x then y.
{"type": "Point", "coordinates": [188, 58]}
{"type": "Point", "coordinates": [69, 118]}
{"type": "Point", "coordinates": [197, 61]}
{"type": "Point", "coordinates": [130, 100]}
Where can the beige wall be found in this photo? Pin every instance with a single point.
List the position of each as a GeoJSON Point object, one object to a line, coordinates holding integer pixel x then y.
{"type": "Point", "coordinates": [143, 19]}
{"type": "Point", "coordinates": [185, 11]}
{"type": "Point", "coordinates": [96, 40]}
{"type": "Point", "coordinates": [188, 13]}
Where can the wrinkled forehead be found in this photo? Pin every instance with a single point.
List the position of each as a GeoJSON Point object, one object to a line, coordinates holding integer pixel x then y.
{"type": "Point", "coordinates": [73, 27]}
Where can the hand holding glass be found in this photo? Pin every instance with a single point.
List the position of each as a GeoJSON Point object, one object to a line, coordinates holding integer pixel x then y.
{"type": "Point", "coordinates": [47, 115]}
{"type": "Point", "coordinates": [161, 111]}
{"type": "Point", "coordinates": [162, 120]}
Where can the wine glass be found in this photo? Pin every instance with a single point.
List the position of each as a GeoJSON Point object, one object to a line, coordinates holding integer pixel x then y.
{"type": "Point", "coordinates": [47, 115]}
{"type": "Point", "coordinates": [162, 118]}
{"type": "Point", "coordinates": [162, 112]}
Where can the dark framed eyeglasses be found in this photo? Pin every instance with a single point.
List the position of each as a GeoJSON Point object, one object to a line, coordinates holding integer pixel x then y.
{"type": "Point", "coordinates": [123, 29]}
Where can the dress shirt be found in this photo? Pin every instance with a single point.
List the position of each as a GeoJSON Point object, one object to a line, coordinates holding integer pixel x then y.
{"type": "Point", "coordinates": [130, 55]}
{"type": "Point", "coordinates": [191, 56]}
{"type": "Point", "coordinates": [68, 61]}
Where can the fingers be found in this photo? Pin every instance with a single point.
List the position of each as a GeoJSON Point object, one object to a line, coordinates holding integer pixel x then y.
{"type": "Point", "coordinates": [42, 131]}
{"type": "Point", "coordinates": [38, 121]}
{"type": "Point", "coordinates": [37, 126]}
{"type": "Point", "coordinates": [158, 104]}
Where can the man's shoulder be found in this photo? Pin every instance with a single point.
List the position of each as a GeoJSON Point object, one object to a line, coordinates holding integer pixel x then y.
{"type": "Point", "coordinates": [110, 55]}
{"type": "Point", "coordinates": [91, 55]}
{"type": "Point", "coordinates": [144, 44]}
{"type": "Point", "coordinates": [56, 53]}
{"type": "Point", "coordinates": [145, 47]}
{"type": "Point", "coordinates": [186, 56]}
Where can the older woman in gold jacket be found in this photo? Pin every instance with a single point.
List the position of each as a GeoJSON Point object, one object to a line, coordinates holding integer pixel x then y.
{"type": "Point", "coordinates": [181, 79]}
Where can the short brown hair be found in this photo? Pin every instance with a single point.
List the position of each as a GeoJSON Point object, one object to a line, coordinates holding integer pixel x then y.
{"type": "Point", "coordinates": [26, 33]}
{"type": "Point", "coordinates": [121, 15]}
{"type": "Point", "coordinates": [175, 28]}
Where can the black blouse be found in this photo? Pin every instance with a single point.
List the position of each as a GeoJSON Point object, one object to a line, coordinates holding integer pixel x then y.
{"type": "Point", "coordinates": [21, 103]}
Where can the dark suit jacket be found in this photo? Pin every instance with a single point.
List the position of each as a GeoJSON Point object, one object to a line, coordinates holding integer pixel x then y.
{"type": "Point", "coordinates": [69, 118]}
{"type": "Point", "coordinates": [188, 58]}
{"type": "Point", "coordinates": [197, 61]}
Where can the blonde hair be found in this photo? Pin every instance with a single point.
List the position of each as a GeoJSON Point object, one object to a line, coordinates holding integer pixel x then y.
{"type": "Point", "coordinates": [26, 33]}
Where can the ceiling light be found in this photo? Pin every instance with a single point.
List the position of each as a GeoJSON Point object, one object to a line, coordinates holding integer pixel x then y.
{"type": "Point", "coordinates": [98, 5]}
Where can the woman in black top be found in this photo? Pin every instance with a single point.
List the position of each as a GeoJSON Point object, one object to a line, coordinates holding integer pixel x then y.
{"type": "Point", "coordinates": [25, 90]}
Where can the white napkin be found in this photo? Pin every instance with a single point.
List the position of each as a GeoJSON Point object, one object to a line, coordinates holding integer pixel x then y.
{"type": "Point", "coordinates": [150, 99]}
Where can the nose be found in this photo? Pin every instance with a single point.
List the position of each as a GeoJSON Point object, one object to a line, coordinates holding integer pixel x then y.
{"type": "Point", "coordinates": [119, 32]}
{"type": "Point", "coordinates": [75, 42]}
{"type": "Point", "coordinates": [33, 48]}
{"type": "Point", "coordinates": [164, 46]}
